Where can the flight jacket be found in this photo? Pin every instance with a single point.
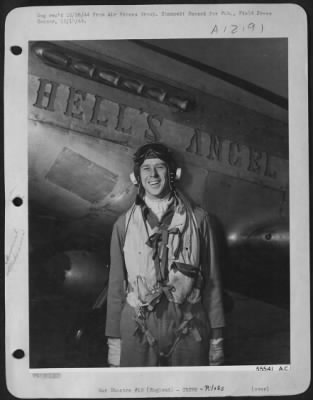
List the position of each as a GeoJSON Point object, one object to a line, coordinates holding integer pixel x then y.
{"type": "Point", "coordinates": [211, 292]}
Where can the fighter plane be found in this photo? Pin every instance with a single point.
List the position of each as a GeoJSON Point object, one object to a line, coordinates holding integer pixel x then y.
{"type": "Point", "coordinates": [221, 105]}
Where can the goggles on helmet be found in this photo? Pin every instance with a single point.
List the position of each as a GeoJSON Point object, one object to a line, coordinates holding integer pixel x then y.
{"type": "Point", "coordinates": [153, 150]}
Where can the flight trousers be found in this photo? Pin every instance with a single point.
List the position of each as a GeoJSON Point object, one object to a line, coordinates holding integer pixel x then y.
{"type": "Point", "coordinates": [169, 335]}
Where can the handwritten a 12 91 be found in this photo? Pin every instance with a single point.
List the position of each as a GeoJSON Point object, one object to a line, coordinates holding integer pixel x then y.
{"type": "Point", "coordinates": [234, 29]}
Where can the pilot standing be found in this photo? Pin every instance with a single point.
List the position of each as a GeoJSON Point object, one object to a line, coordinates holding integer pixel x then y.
{"type": "Point", "coordinates": [164, 298]}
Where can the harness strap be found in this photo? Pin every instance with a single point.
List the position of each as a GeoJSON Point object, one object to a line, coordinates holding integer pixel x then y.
{"type": "Point", "coordinates": [154, 298]}
{"type": "Point", "coordinates": [141, 325]}
{"type": "Point", "coordinates": [186, 326]}
{"type": "Point", "coordinates": [161, 237]}
{"type": "Point", "coordinates": [164, 269]}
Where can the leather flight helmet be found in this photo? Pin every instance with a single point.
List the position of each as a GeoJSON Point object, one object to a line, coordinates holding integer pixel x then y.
{"type": "Point", "coordinates": [155, 150]}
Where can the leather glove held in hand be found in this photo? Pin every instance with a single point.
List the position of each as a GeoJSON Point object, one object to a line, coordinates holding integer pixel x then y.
{"type": "Point", "coordinates": [216, 355]}
{"type": "Point", "coordinates": [114, 352]}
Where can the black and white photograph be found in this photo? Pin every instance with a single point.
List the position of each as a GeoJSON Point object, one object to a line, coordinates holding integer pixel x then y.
{"type": "Point", "coordinates": [157, 207]}
{"type": "Point", "coordinates": [107, 263]}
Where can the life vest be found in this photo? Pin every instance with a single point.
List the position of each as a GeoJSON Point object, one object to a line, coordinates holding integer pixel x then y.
{"type": "Point", "coordinates": [144, 247]}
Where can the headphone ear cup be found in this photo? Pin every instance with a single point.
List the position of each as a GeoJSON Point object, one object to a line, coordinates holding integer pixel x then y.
{"type": "Point", "coordinates": [178, 174]}
{"type": "Point", "coordinates": [133, 179]}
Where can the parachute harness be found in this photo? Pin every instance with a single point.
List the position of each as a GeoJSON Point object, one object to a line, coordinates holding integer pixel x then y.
{"type": "Point", "coordinates": [158, 242]}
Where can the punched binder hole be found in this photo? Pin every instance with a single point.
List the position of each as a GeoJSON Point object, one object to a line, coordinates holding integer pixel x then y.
{"type": "Point", "coordinates": [18, 354]}
{"type": "Point", "coordinates": [17, 201]}
{"type": "Point", "coordinates": [16, 50]}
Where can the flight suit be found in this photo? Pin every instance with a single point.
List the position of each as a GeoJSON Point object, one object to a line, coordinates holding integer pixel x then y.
{"type": "Point", "coordinates": [167, 330]}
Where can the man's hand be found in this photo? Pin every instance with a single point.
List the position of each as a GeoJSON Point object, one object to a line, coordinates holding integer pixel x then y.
{"type": "Point", "coordinates": [114, 352]}
{"type": "Point", "coordinates": [216, 352]}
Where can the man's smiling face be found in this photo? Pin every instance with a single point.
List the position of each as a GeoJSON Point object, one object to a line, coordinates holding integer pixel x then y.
{"type": "Point", "coordinates": [154, 178]}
